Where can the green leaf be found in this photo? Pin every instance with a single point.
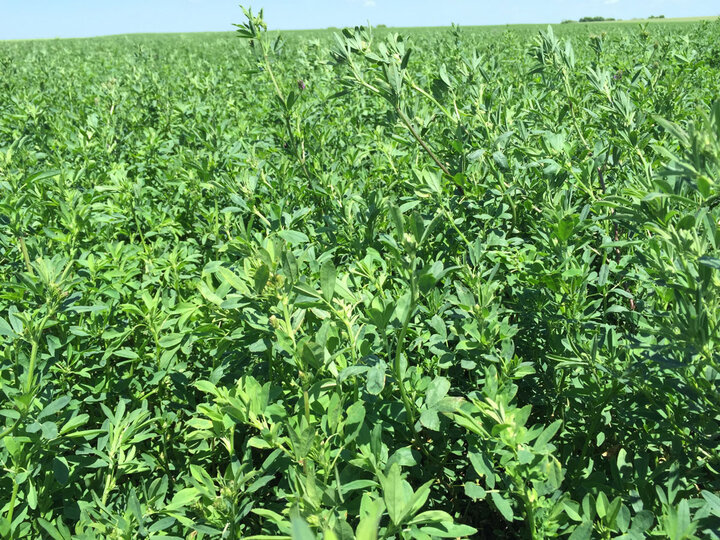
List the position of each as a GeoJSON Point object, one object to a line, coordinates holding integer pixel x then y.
{"type": "Point", "coordinates": [354, 422]}
{"type": "Point", "coordinates": [367, 528]}
{"type": "Point", "coordinates": [405, 59]}
{"type": "Point", "coordinates": [603, 276]}
{"type": "Point", "coordinates": [500, 159]}
{"type": "Point", "coordinates": [54, 407]}
{"type": "Point", "coordinates": [582, 531]}
{"type": "Point", "coordinates": [572, 509]}
{"type": "Point", "coordinates": [481, 464]}
{"type": "Point", "coordinates": [554, 473]}
{"type": "Point", "coordinates": [300, 529]}
{"type": "Point", "coordinates": [433, 181]}
{"type": "Point", "coordinates": [612, 512]}
{"type": "Point", "coordinates": [449, 530]}
{"type": "Point", "coordinates": [419, 498]}
{"type": "Point", "coordinates": [602, 504]}
{"type": "Point", "coordinates": [233, 279]}
{"type": "Point", "coordinates": [687, 222]}
{"type": "Point", "coordinates": [429, 418]}
{"type": "Point", "coordinates": [623, 518]}
{"type": "Point", "coordinates": [502, 505]}
{"type": "Point", "coordinates": [51, 529]}
{"type": "Point", "coordinates": [358, 484]}
{"type": "Point", "coordinates": [269, 514]}
{"type": "Point", "coordinates": [126, 353]}
{"type": "Point", "coordinates": [168, 341]}
{"type": "Point", "coordinates": [565, 228]}
{"type": "Point", "coordinates": [685, 526]}
{"type": "Point", "coordinates": [437, 390]}
{"type": "Point", "coordinates": [376, 379]}
{"type": "Point", "coordinates": [642, 521]}
{"type": "Point", "coordinates": [710, 262]}
{"type": "Point", "coordinates": [32, 496]}
{"type": "Point", "coordinates": [162, 524]}
{"type": "Point", "coordinates": [474, 491]}
{"type": "Point", "coordinates": [397, 219]}
{"type": "Point", "coordinates": [431, 516]}
{"type": "Point", "coordinates": [442, 72]}
{"type": "Point", "coordinates": [199, 474]}
{"type": "Point", "coordinates": [42, 175]}
{"type": "Point", "coordinates": [302, 442]}
{"type": "Point", "coordinates": [403, 306]}
{"type": "Point", "coordinates": [476, 155]}
{"type": "Point", "coordinates": [207, 387]}
{"type": "Point", "coordinates": [713, 502]}
{"type": "Point", "coordinates": [704, 185]}
{"type": "Point", "coordinates": [6, 330]}
{"type": "Point", "coordinates": [294, 237]}
{"type": "Point", "coordinates": [547, 434]}
{"type": "Point", "coordinates": [14, 444]}
{"type": "Point", "coordinates": [290, 266]}
{"type": "Point", "coordinates": [136, 510]}
{"type": "Point", "coordinates": [395, 494]}
{"type": "Point", "coordinates": [61, 470]}
{"type": "Point", "coordinates": [327, 280]}
{"type": "Point", "coordinates": [183, 498]}
{"type": "Point", "coordinates": [262, 274]}
{"type": "Point", "coordinates": [74, 423]}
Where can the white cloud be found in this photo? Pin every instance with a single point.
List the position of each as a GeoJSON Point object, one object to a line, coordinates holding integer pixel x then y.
{"type": "Point", "coordinates": [609, 2]}
{"type": "Point", "coordinates": [369, 3]}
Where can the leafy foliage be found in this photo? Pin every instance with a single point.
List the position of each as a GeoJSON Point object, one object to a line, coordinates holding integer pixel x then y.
{"type": "Point", "coordinates": [450, 283]}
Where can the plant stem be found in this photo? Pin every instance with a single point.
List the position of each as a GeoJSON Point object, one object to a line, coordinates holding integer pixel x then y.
{"type": "Point", "coordinates": [34, 352]}
{"type": "Point", "coordinates": [529, 515]}
{"type": "Point", "coordinates": [268, 67]}
{"type": "Point", "coordinates": [139, 230]}
{"type": "Point", "coordinates": [299, 153]}
{"type": "Point", "coordinates": [11, 510]}
{"type": "Point", "coordinates": [434, 101]}
{"type": "Point", "coordinates": [568, 92]}
{"type": "Point", "coordinates": [108, 485]}
{"type": "Point", "coordinates": [419, 139]}
{"type": "Point", "coordinates": [306, 402]}
{"type": "Point", "coordinates": [450, 218]}
{"type": "Point", "coordinates": [401, 346]}
{"type": "Point", "coordinates": [9, 430]}
{"type": "Point", "coordinates": [26, 257]}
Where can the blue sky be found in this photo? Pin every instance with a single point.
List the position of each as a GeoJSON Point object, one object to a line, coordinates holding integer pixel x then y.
{"type": "Point", "coordinates": [22, 19]}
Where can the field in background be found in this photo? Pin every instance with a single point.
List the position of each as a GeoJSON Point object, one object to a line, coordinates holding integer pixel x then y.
{"type": "Point", "coordinates": [674, 19]}
{"type": "Point", "coordinates": [410, 30]}
{"type": "Point", "coordinates": [460, 282]}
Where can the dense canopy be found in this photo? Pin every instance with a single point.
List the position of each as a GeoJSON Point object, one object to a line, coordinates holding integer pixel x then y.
{"type": "Point", "coordinates": [434, 283]}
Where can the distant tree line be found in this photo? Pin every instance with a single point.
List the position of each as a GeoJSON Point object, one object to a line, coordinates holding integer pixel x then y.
{"type": "Point", "coordinates": [596, 19]}
{"type": "Point", "coordinates": [604, 19]}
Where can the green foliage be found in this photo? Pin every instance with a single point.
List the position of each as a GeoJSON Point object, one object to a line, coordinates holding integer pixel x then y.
{"type": "Point", "coordinates": [444, 284]}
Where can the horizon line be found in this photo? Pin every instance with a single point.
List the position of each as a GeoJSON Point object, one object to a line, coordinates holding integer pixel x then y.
{"type": "Point", "coordinates": [698, 18]}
